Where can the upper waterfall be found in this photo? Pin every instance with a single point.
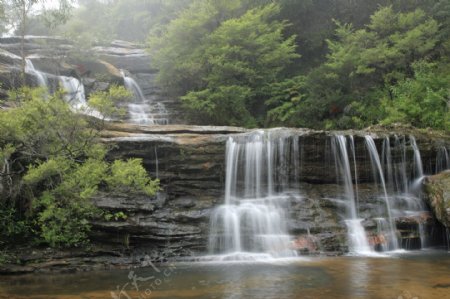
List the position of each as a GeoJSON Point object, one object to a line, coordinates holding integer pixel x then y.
{"type": "Point", "coordinates": [75, 93]}
{"type": "Point", "coordinates": [141, 110]}
{"type": "Point", "coordinates": [41, 77]}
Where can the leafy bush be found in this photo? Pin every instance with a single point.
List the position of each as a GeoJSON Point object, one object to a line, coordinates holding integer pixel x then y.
{"type": "Point", "coordinates": [11, 226]}
{"type": "Point", "coordinates": [56, 164]}
{"type": "Point", "coordinates": [422, 101]}
{"type": "Point", "coordinates": [130, 174]}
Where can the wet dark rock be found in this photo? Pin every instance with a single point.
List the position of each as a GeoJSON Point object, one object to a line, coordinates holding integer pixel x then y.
{"type": "Point", "coordinates": [125, 202]}
{"type": "Point", "coordinates": [190, 162]}
{"type": "Point", "coordinates": [438, 196]}
{"type": "Point", "coordinates": [10, 269]}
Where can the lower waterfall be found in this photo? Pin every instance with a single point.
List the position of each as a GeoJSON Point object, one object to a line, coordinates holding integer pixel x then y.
{"type": "Point", "coordinates": [264, 178]}
{"type": "Point", "coordinates": [252, 222]}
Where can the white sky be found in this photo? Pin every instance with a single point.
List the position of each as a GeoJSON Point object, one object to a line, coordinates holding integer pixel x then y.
{"type": "Point", "coordinates": [50, 4]}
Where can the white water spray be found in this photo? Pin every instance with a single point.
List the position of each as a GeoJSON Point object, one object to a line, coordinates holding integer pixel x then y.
{"type": "Point", "coordinates": [252, 222]}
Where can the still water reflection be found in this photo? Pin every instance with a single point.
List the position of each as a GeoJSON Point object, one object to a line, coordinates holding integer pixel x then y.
{"type": "Point", "coordinates": [406, 276]}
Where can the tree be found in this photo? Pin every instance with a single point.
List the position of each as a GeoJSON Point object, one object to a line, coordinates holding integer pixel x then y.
{"type": "Point", "coordinates": [219, 58]}
{"type": "Point", "coordinates": [361, 65]}
{"type": "Point", "coordinates": [241, 57]}
{"type": "Point", "coordinates": [422, 101]}
{"type": "Point", "coordinates": [177, 49]}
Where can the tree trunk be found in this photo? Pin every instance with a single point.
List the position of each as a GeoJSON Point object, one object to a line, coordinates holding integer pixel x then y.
{"type": "Point", "coordinates": [23, 12]}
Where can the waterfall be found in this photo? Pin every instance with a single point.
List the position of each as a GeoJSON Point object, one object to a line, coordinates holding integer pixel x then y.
{"type": "Point", "coordinates": [405, 184]}
{"type": "Point", "coordinates": [75, 93]}
{"type": "Point", "coordinates": [76, 97]}
{"type": "Point", "coordinates": [382, 227]}
{"type": "Point", "coordinates": [442, 159]}
{"type": "Point", "coordinates": [40, 76]}
{"type": "Point", "coordinates": [252, 222]}
{"type": "Point", "coordinates": [418, 168]}
{"type": "Point", "coordinates": [401, 176]}
{"type": "Point", "coordinates": [132, 86]}
{"type": "Point", "coordinates": [342, 162]}
{"type": "Point", "coordinates": [386, 162]}
{"type": "Point", "coordinates": [376, 166]}
{"type": "Point", "coordinates": [417, 158]}
{"type": "Point", "coordinates": [422, 235]}
{"type": "Point", "coordinates": [156, 164]}
{"type": "Point", "coordinates": [74, 89]}
{"type": "Point", "coordinates": [138, 109]}
{"type": "Point", "coordinates": [141, 111]}
{"type": "Point", "coordinates": [357, 236]}
{"type": "Point", "coordinates": [263, 173]}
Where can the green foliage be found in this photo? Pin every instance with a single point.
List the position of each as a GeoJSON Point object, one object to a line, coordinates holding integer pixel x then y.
{"type": "Point", "coordinates": [391, 42]}
{"type": "Point", "coordinates": [228, 61]}
{"type": "Point", "coordinates": [285, 101]}
{"type": "Point", "coordinates": [134, 19]}
{"type": "Point", "coordinates": [65, 208]}
{"type": "Point", "coordinates": [106, 102]}
{"type": "Point", "coordinates": [3, 258]}
{"type": "Point", "coordinates": [422, 101]}
{"type": "Point", "coordinates": [224, 105]}
{"type": "Point", "coordinates": [131, 175]}
{"type": "Point", "coordinates": [63, 221]}
{"type": "Point", "coordinates": [118, 216]}
{"type": "Point", "coordinates": [346, 90]}
{"type": "Point", "coordinates": [52, 160]}
{"type": "Point", "coordinates": [11, 227]}
{"type": "Point", "coordinates": [177, 48]}
{"type": "Point", "coordinates": [220, 60]}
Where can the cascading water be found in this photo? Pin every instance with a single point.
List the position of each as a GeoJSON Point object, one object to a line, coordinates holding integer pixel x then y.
{"type": "Point", "coordinates": [376, 166]}
{"type": "Point", "coordinates": [76, 97]}
{"type": "Point", "coordinates": [141, 111]}
{"type": "Point", "coordinates": [357, 236]}
{"type": "Point", "coordinates": [40, 76]}
{"type": "Point", "coordinates": [418, 167]}
{"type": "Point", "coordinates": [442, 159]}
{"type": "Point", "coordinates": [252, 222]}
{"type": "Point", "coordinates": [74, 89]}
{"type": "Point", "coordinates": [403, 182]}
{"type": "Point", "coordinates": [417, 158]}
{"type": "Point", "coordinates": [263, 175]}
{"type": "Point", "coordinates": [382, 227]}
{"type": "Point", "coordinates": [75, 93]}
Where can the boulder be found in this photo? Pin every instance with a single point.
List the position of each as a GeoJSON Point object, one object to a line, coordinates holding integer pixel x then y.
{"type": "Point", "coordinates": [40, 45]}
{"type": "Point", "coordinates": [126, 56]}
{"type": "Point", "coordinates": [96, 68]}
{"type": "Point", "coordinates": [437, 189]}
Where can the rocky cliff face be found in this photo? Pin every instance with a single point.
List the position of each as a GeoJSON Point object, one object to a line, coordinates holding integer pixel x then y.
{"type": "Point", "coordinates": [134, 60]}
{"type": "Point", "coordinates": [97, 69]}
{"type": "Point", "coordinates": [190, 162]}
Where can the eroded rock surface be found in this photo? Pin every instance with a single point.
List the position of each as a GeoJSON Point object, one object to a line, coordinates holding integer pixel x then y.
{"type": "Point", "coordinates": [438, 196]}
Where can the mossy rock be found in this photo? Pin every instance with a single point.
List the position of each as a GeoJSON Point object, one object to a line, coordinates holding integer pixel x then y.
{"type": "Point", "coordinates": [437, 188]}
